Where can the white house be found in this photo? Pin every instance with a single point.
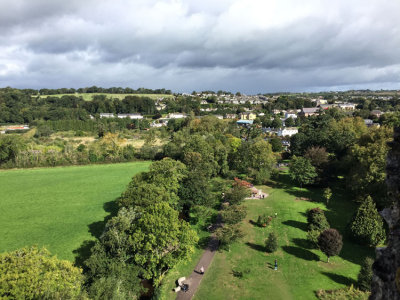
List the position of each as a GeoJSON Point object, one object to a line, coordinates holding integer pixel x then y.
{"type": "Point", "coordinates": [290, 114]}
{"type": "Point", "coordinates": [347, 106]}
{"type": "Point", "coordinates": [107, 115]}
{"type": "Point", "coordinates": [130, 116]}
{"type": "Point", "coordinates": [176, 115]}
{"type": "Point", "coordinates": [287, 131]}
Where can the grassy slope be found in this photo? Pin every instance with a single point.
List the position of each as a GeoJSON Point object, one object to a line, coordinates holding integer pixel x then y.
{"type": "Point", "coordinates": [301, 270]}
{"type": "Point", "coordinates": [88, 96]}
{"type": "Point", "coordinates": [59, 207]}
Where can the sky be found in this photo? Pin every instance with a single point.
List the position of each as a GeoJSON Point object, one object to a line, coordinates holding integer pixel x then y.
{"type": "Point", "coordinates": [251, 46]}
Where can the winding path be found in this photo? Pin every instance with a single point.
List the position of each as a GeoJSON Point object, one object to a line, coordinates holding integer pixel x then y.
{"type": "Point", "coordinates": [194, 279]}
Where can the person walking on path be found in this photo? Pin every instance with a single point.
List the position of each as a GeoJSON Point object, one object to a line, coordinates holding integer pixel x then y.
{"type": "Point", "coordinates": [276, 265]}
{"type": "Point", "coordinates": [202, 270]}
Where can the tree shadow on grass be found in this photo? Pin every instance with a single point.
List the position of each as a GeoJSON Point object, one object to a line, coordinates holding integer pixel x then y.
{"type": "Point", "coordinates": [300, 253]}
{"type": "Point", "coordinates": [256, 247]}
{"type": "Point", "coordinates": [303, 243]}
{"type": "Point", "coordinates": [339, 278]}
{"type": "Point", "coordinates": [296, 224]}
{"type": "Point", "coordinates": [96, 229]}
{"type": "Point", "coordinates": [83, 253]}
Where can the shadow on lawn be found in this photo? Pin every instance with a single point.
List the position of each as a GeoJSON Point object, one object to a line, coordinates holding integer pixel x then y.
{"type": "Point", "coordinates": [303, 243]}
{"type": "Point", "coordinates": [95, 229]}
{"type": "Point", "coordinates": [340, 278]}
{"type": "Point", "coordinates": [296, 224]}
{"type": "Point", "coordinates": [300, 253]}
{"type": "Point", "coordinates": [256, 247]}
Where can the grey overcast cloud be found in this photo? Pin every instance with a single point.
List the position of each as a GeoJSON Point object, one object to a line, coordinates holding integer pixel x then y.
{"type": "Point", "coordinates": [251, 46]}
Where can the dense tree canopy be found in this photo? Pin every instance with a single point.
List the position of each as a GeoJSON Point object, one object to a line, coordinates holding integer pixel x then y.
{"type": "Point", "coordinates": [32, 273]}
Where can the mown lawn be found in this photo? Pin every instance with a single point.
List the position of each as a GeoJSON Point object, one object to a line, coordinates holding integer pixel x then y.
{"type": "Point", "coordinates": [59, 208]}
{"type": "Point", "coordinates": [301, 270]}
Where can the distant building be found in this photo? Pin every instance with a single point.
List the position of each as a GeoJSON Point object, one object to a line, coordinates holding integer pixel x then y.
{"type": "Point", "coordinates": [291, 114]}
{"type": "Point", "coordinates": [306, 112]}
{"type": "Point", "coordinates": [130, 116]}
{"type": "Point", "coordinates": [230, 116]}
{"type": "Point", "coordinates": [248, 116]}
{"type": "Point", "coordinates": [219, 117]}
{"type": "Point", "coordinates": [347, 106]}
{"type": "Point", "coordinates": [176, 116]}
{"type": "Point", "coordinates": [107, 115]}
{"type": "Point", "coordinates": [368, 122]}
{"type": "Point", "coordinates": [376, 113]}
{"type": "Point", "coordinates": [287, 131]}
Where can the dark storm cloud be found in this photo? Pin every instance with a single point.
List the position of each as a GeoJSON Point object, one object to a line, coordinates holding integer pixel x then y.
{"type": "Point", "coordinates": [250, 45]}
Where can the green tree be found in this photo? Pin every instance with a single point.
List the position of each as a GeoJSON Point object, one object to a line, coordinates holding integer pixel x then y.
{"type": "Point", "coordinates": [276, 122]}
{"type": "Point", "coordinates": [276, 145]}
{"type": "Point", "coordinates": [9, 147]}
{"type": "Point", "coordinates": [237, 194]}
{"type": "Point", "coordinates": [364, 278]}
{"type": "Point", "coordinates": [256, 154]}
{"type": "Point", "coordinates": [302, 171]}
{"type": "Point", "coordinates": [366, 226]}
{"type": "Point", "coordinates": [271, 244]}
{"type": "Point", "coordinates": [289, 122]}
{"type": "Point", "coordinates": [111, 278]}
{"type": "Point", "coordinates": [330, 242]}
{"type": "Point", "coordinates": [32, 273]}
{"type": "Point", "coordinates": [228, 234]}
{"type": "Point", "coordinates": [316, 219]}
{"type": "Point", "coordinates": [233, 214]}
{"type": "Point", "coordinates": [154, 239]}
{"type": "Point", "coordinates": [327, 195]}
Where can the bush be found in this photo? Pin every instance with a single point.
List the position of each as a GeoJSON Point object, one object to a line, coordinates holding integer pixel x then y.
{"type": "Point", "coordinates": [342, 294]}
{"type": "Point", "coordinates": [240, 272]}
{"type": "Point", "coordinates": [271, 244]}
{"type": "Point", "coordinates": [365, 276]}
{"type": "Point", "coordinates": [316, 219]}
{"type": "Point", "coordinates": [237, 194]}
{"type": "Point", "coordinates": [312, 237]}
{"type": "Point", "coordinates": [366, 226]}
{"type": "Point", "coordinates": [263, 220]}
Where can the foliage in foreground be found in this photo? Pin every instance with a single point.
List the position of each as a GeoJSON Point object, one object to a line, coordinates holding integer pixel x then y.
{"type": "Point", "coordinates": [342, 294]}
{"type": "Point", "coordinates": [364, 278]}
{"type": "Point", "coordinates": [32, 273]}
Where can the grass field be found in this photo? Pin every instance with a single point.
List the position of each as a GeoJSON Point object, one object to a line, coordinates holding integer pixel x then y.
{"type": "Point", "coordinates": [89, 96]}
{"type": "Point", "coordinates": [60, 207]}
{"type": "Point", "coordinates": [301, 270]}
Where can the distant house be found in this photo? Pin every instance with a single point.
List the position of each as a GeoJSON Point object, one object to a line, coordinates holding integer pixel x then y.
{"type": "Point", "coordinates": [368, 122]}
{"type": "Point", "coordinates": [321, 101]}
{"type": "Point", "coordinates": [261, 114]}
{"type": "Point", "coordinates": [327, 106]}
{"type": "Point", "coordinates": [347, 106]}
{"type": "Point", "coordinates": [245, 122]}
{"type": "Point", "coordinates": [376, 113]}
{"type": "Point", "coordinates": [248, 116]}
{"type": "Point", "coordinates": [287, 131]}
{"type": "Point", "coordinates": [203, 102]}
{"type": "Point", "coordinates": [291, 114]}
{"type": "Point", "coordinates": [219, 117]}
{"type": "Point", "coordinates": [176, 116]}
{"type": "Point", "coordinates": [230, 116]}
{"type": "Point", "coordinates": [130, 116]}
{"type": "Point", "coordinates": [107, 115]}
{"type": "Point", "coordinates": [306, 112]}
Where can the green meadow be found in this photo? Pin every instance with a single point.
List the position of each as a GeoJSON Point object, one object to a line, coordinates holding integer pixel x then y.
{"type": "Point", "coordinates": [59, 208]}
{"type": "Point", "coordinates": [89, 96]}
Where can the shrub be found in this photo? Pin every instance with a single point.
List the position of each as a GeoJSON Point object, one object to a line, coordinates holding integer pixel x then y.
{"type": "Point", "coordinates": [316, 219]}
{"type": "Point", "coordinates": [240, 272]}
{"type": "Point", "coordinates": [263, 220]}
{"type": "Point", "coordinates": [271, 244]}
{"type": "Point", "coordinates": [365, 276]}
{"type": "Point", "coordinates": [312, 237]}
{"type": "Point", "coordinates": [366, 226]}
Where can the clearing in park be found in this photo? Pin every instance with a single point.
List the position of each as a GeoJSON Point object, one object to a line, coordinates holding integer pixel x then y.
{"type": "Point", "coordinates": [62, 207]}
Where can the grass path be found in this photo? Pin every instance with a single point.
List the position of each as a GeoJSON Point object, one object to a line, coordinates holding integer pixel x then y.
{"type": "Point", "coordinates": [59, 207]}
{"type": "Point", "coordinates": [301, 270]}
